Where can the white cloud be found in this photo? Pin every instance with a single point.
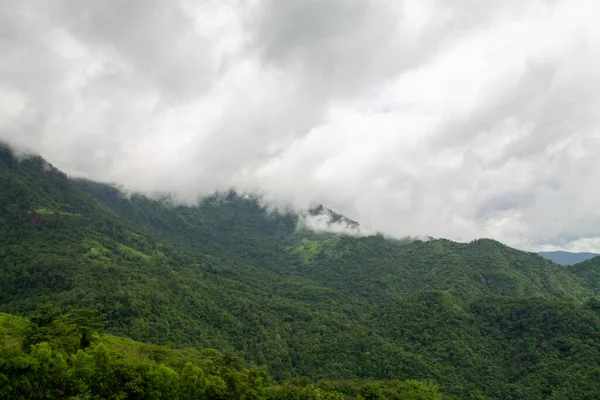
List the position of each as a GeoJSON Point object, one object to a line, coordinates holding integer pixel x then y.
{"type": "Point", "coordinates": [452, 119]}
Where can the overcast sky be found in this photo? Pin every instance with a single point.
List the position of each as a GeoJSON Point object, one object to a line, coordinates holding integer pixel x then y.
{"type": "Point", "coordinates": [457, 119]}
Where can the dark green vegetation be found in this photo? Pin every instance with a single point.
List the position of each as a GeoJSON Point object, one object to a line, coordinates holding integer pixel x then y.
{"type": "Point", "coordinates": [566, 257]}
{"type": "Point", "coordinates": [45, 357]}
{"type": "Point", "coordinates": [481, 320]}
{"type": "Point", "coordinates": [589, 270]}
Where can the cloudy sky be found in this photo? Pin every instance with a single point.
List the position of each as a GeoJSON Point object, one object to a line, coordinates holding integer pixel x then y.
{"type": "Point", "coordinates": [457, 119]}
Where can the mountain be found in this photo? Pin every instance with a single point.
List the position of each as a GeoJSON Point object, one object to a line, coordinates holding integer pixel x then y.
{"type": "Point", "coordinates": [565, 257]}
{"type": "Point", "coordinates": [238, 227]}
{"type": "Point", "coordinates": [589, 271]}
{"type": "Point", "coordinates": [480, 319]}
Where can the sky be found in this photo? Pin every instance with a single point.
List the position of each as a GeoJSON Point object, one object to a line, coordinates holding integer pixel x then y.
{"type": "Point", "coordinates": [458, 119]}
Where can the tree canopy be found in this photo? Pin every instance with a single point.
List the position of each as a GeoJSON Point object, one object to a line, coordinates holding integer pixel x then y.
{"type": "Point", "coordinates": [228, 299]}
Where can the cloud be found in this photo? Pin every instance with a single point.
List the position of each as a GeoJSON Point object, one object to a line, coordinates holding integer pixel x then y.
{"type": "Point", "coordinates": [457, 119]}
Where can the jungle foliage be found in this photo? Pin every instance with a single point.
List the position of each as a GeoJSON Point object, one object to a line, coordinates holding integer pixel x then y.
{"type": "Point", "coordinates": [298, 314]}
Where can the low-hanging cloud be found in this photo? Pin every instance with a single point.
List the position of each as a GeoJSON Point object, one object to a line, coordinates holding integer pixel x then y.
{"type": "Point", "coordinates": [456, 119]}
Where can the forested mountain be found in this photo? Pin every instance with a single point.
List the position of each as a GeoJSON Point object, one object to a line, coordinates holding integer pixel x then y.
{"type": "Point", "coordinates": [240, 228]}
{"type": "Point", "coordinates": [480, 319]}
{"type": "Point", "coordinates": [566, 257]}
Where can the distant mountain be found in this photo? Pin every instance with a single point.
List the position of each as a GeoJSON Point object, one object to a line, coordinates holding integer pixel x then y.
{"type": "Point", "coordinates": [565, 257]}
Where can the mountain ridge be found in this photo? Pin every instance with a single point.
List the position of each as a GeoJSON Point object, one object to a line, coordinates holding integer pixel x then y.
{"type": "Point", "coordinates": [233, 276]}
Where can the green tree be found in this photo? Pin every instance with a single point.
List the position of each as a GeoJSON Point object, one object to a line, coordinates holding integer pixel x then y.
{"type": "Point", "coordinates": [87, 322]}
{"type": "Point", "coordinates": [47, 324]}
{"type": "Point", "coordinates": [163, 383]}
{"type": "Point", "coordinates": [192, 384]}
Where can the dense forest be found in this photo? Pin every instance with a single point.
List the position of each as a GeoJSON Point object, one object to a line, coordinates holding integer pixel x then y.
{"type": "Point", "coordinates": [112, 296]}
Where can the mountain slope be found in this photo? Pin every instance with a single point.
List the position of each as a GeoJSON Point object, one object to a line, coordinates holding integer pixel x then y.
{"type": "Point", "coordinates": [117, 368]}
{"type": "Point", "coordinates": [239, 227]}
{"type": "Point", "coordinates": [230, 275]}
{"type": "Point", "coordinates": [589, 271]}
{"type": "Point", "coordinates": [374, 267]}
